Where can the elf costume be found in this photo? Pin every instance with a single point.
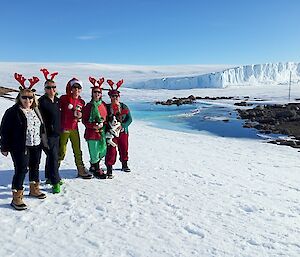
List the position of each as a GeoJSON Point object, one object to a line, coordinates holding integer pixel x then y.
{"type": "Point", "coordinates": [71, 112]}
{"type": "Point", "coordinates": [94, 119]}
{"type": "Point", "coordinates": [122, 113]}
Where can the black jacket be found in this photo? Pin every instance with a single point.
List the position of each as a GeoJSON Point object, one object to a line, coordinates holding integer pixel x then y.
{"type": "Point", "coordinates": [51, 115]}
{"type": "Point", "coordinates": [13, 130]}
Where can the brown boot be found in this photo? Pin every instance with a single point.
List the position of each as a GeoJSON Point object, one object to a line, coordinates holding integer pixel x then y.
{"type": "Point", "coordinates": [83, 173]}
{"type": "Point", "coordinates": [35, 190]}
{"type": "Point", "coordinates": [17, 201]}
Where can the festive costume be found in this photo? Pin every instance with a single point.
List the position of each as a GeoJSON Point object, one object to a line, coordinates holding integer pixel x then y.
{"type": "Point", "coordinates": [71, 109]}
{"type": "Point", "coordinates": [122, 113]}
{"type": "Point", "coordinates": [94, 119]}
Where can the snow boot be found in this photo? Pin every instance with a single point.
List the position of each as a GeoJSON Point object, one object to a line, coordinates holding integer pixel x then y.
{"type": "Point", "coordinates": [94, 167]}
{"type": "Point", "coordinates": [99, 174]}
{"type": "Point", "coordinates": [83, 173]}
{"type": "Point", "coordinates": [17, 201]}
{"type": "Point", "coordinates": [109, 174]}
{"type": "Point", "coordinates": [34, 190]}
{"type": "Point", "coordinates": [125, 167]}
{"type": "Point", "coordinates": [56, 188]}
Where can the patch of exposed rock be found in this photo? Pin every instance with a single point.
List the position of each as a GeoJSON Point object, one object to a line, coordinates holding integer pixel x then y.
{"type": "Point", "coordinates": [277, 119]}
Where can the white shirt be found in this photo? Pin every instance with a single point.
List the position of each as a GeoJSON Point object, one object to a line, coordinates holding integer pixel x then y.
{"type": "Point", "coordinates": [33, 135]}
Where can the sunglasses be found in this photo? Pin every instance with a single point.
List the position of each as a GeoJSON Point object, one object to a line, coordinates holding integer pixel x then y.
{"type": "Point", "coordinates": [24, 97]}
{"type": "Point", "coordinates": [76, 86]}
{"type": "Point", "coordinates": [50, 87]}
{"type": "Point", "coordinates": [97, 92]}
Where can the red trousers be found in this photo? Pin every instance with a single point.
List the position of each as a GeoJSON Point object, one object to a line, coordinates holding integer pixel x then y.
{"type": "Point", "coordinates": [111, 154]}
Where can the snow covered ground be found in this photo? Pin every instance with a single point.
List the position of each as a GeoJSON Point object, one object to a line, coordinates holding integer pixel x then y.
{"type": "Point", "coordinates": [189, 194]}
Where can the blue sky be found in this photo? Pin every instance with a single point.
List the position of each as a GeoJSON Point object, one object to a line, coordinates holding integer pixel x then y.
{"type": "Point", "coordinates": [150, 32]}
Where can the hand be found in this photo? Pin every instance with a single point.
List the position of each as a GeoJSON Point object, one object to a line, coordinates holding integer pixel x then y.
{"type": "Point", "coordinates": [5, 153]}
{"type": "Point", "coordinates": [98, 126]}
{"type": "Point", "coordinates": [78, 114]}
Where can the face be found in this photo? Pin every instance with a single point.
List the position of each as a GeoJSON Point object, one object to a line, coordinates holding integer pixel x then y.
{"type": "Point", "coordinates": [97, 94]}
{"type": "Point", "coordinates": [50, 88]}
{"type": "Point", "coordinates": [76, 90]}
{"type": "Point", "coordinates": [26, 99]}
{"type": "Point", "coordinates": [115, 99]}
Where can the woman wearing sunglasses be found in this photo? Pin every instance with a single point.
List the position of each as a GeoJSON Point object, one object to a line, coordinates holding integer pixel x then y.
{"type": "Point", "coordinates": [94, 119]}
{"type": "Point", "coordinates": [21, 136]}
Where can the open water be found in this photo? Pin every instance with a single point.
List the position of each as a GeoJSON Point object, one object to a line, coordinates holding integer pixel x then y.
{"type": "Point", "coordinates": [221, 120]}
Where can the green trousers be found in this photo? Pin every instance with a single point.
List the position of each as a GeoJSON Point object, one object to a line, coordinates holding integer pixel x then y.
{"type": "Point", "coordinates": [97, 149]}
{"type": "Point", "coordinates": [75, 141]}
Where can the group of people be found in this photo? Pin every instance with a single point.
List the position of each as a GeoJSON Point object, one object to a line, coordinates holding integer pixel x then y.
{"type": "Point", "coordinates": [47, 123]}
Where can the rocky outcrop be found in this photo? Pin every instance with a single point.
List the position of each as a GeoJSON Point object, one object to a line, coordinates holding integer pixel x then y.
{"type": "Point", "coordinates": [277, 119]}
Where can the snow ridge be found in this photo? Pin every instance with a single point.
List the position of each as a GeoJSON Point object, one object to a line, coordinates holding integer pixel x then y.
{"type": "Point", "coordinates": [258, 74]}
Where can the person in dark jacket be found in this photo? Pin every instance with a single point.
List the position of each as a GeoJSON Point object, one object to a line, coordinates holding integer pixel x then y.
{"type": "Point", "coordinates": [49, 107]}
{"type": "Point", "coordinates": [94, 118]}
{"type": "Point", "coordinates": [21, 135]}
{"type": "Point", "coordinates": [122, 113]}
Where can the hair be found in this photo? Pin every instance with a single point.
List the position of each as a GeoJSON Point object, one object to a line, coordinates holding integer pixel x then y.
{"type": "Point", "coordinates": [48, 81]}
{"type": "Point", "coordinates": [22, 92]}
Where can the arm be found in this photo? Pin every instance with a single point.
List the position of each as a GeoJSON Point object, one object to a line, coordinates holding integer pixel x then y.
{"type": "Point", "coordinates": [128, 119]}
{"type": "Point", "coordinates": [85, 117]}
{"type": "Point", "coordinates": [6, 131]}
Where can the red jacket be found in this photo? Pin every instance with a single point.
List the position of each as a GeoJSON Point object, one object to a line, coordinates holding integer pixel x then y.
{"type": "Point", "coordinates": [68, 120]}
{"type": "Point", "coordinates": [90, 132]}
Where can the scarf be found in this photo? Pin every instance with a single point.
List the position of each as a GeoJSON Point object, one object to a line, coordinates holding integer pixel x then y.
{"type": "Point", "coordinates": [95, 115]}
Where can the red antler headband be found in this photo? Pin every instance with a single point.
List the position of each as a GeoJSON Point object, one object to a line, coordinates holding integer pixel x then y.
{"type": "Point", "coordinates": [94, 81]}
{"type": "Point", "coordinates": [46, 73]}
{"type": "Point", "coordinates": [21, 80]}
{"type": "Point", "coordinates": [111, 84]}
{"type": "Point", "coordinates": [113, 90]}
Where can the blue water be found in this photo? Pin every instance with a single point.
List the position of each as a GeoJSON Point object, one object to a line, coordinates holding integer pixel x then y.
{"type": "Point", "coordinates": [195, 117]}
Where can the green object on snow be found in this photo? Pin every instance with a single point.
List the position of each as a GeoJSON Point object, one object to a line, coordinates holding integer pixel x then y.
{"type": "Point", "coordinates": [56, 188]}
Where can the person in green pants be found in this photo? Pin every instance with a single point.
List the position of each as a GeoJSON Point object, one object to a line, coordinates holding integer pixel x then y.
{"type": "Point", "coordinates": [94, 119]}
{"type": "Point", "coordinates": [71, 106]}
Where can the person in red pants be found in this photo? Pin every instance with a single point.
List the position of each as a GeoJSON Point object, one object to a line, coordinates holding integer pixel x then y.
{"type": "Point", "coordinates": [122, 113]}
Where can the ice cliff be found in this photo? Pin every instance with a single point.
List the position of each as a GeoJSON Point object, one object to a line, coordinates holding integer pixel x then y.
{"type": "Point", "coordinates": [258, 74]}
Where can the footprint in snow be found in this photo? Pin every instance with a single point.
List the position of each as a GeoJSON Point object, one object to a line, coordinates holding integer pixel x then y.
{"type": "Point", "coordinates": [252, 242]}
{"type": "Point", "coordinates": [248, 209]}
{"type": "Point", "coordinates": [196, 175]}
{"type": "Point", "coordinates": [194, 230]}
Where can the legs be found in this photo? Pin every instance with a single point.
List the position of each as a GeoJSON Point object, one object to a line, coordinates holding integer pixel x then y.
{"type": "Point", "coordinates": [21, 168]}
{"type": "Point", "coordinates": [31, 157]}
{"type": "Point", "coordinates": [110, 158]}
{"type": "Point", "coordinates": [75, 141]}
{"type": "Point", "coordinates": [123, 150]}
{"type": "Point", "coordinates": [97, 150]}
{"type": "Point", "coordinates": [34, 162]}
{"type": "Point", "coordinates": [51, 168]}
{"type": "Point", "coordinates": [63, 140]}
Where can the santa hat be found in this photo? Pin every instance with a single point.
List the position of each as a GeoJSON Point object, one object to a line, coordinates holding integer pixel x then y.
{"type": "Point", "coordinates": [71, 83]}
{"type": "Point", "coordinates": [21, 80]}
{"type": "Point", "coordinates": [114, 91]}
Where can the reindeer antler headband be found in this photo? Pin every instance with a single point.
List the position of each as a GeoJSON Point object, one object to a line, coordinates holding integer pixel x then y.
{"type": "Point", "coordinates": [46, 73]}
{"type": "Point", "coordinates": [100, 81]}
{"type": "Point", "coordinates": [21, 80]}
{"type": "Point", "coordinates": [114, 90]}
